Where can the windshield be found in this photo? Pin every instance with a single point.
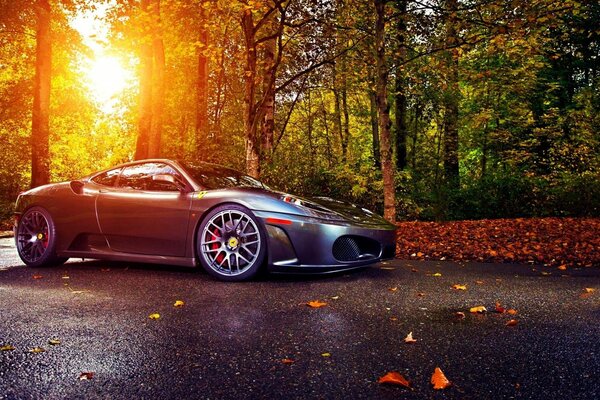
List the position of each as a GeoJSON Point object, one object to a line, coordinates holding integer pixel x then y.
{"type": "Point", "coordinates": [212, 176]}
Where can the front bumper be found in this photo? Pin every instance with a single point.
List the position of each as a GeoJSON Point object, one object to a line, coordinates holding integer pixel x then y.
{"type": "Point", "coordinates": [304, 244]}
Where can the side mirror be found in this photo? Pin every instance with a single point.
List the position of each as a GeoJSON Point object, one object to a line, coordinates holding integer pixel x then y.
{"type": "Point", "coordinates": [166, 178]}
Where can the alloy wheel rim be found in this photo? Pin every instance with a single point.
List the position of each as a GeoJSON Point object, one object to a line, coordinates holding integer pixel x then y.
{"type": "Point", "coordinates": [33, 236]}
{"type": "Point", "coordinates": [230, 242]}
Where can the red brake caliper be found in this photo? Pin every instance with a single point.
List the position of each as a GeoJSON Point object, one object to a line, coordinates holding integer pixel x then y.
{"type": "Point", "coordinates": [215, 246]}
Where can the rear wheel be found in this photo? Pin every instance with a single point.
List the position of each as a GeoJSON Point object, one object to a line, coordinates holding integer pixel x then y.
{"type": "Point", "coordinates": [231, 243]}
{"type": "Point", "coordinates": [36, 239]}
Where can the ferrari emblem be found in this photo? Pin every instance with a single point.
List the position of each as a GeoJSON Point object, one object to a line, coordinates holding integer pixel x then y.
{"type": "Point", "coordinates": [232, 242]}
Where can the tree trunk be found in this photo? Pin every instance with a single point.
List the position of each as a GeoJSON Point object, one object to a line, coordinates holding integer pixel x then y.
{"type": "Point", "coordinates": [337, 112]}
{"type": "Point", "coordinates": [40, 124]}
{"type": "Point", "coordinates": [387, 166]}
{"type": "Point", "coordinates": [158, 102]}
{"type": "Point", "coordinates": [400, 112]}
{"type": "Point", "coordinates": [201, 128]}
{"type": "Point", "coordinates": [374, 128]}
{"type": "Point", "coordinates": [145, 98]}
{"type": "Point", "coordinates": [252, 144]}
{"type": "Point", "coordinates": [451, 98]}
{"type": "Point", "coordinates": [268, 125]}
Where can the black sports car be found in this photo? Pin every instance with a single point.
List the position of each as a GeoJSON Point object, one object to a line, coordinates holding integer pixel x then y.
{"type": "Point", "coordinates": [168, 212]}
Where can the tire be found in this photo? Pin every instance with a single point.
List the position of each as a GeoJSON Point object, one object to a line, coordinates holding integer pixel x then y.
{"type": "Point", "coordinates": [36, 239]}
{"type": "Point", "coordinates": [231, 243]}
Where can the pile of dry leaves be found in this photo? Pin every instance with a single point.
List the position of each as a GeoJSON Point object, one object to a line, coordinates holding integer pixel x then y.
{"type": "Point", "coordinates": [563, 242]}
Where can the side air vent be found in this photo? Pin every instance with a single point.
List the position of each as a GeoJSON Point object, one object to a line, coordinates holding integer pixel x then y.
{"type": "Point", "coordinates": [354, 248]}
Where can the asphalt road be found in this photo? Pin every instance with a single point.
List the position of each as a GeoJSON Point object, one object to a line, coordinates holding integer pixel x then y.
{"type": "Point", "coordinates": [230, 340]}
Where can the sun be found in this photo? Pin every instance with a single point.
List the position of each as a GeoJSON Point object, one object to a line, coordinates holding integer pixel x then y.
{"type": "Point", "coordinates": [106, 79]}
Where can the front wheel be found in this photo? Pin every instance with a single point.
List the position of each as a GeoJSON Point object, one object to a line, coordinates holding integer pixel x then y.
{"type": "Point", "coordinates": [36, 239]}
{"type": "Point", "coordinates": [231, 243]}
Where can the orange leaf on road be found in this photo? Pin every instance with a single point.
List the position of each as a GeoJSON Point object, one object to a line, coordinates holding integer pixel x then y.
{"type": "Point", "coordinates": [409, 338]}
{"type": "Point", "coordinates": [439, 380]}
{"type": "Point", "coordinates": [512, 312]}
{"type": "Point", "coordinates": [394, 378]}
{"type": "Point", "coordinates": [500, 309]}
{"type": "Point", "coordinates": [459, 287]}
{"type": "Point", "coordinates": [178, 303]}
{"type": "Point", "coordinates": [86, 376]}
{"type": "Point", "coordinates": [478, 309]}
{"type": "Point", "coordinates": [316, 304]}
{"type": "Point", "coordinates": [512, 322]}
{"type": "Point", "coordinates": [287, 361]}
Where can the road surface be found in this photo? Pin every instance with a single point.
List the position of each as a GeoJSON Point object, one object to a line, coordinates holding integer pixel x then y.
{"type": "Point", "coordinates": [259, 339]}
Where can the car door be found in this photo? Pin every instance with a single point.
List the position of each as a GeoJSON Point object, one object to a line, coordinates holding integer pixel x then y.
{"type": "Point", "coordinates": [145, 215]}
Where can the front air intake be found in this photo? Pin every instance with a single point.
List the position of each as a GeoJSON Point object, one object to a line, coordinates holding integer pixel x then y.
{"type": "Point", "coordinates": [354, 248]}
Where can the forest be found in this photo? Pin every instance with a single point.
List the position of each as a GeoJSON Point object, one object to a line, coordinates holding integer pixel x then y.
{"type": "Point", "coordinates": [418, 109]}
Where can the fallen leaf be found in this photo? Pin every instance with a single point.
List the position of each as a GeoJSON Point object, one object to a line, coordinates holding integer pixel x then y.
{"type": "Point", "coordinates": [37, 350]}
{"type": "Point", "coordinates": [478, 309]}
{"type": "Point", "coordinates": [86, 376]}
{"type": "Point", "coordinates": [563, 267]}
{"type": "Point", "coordinates": [511, 311]}
{"type": "Point", "coordinates": [335, 297]}
{"type": "Point", "coordinates": [394, 378]}
{"type": "Point", "coordinates": [587, 292]}
{"type": "Point", "coordinates": [393, 289]}
{"type": "Point", "coordinates": [178, 303]}
{"type": "Point", "coordinates": [393, 319]}
{"type": "Point", "coordinates": [459, 315]}
{"type": "Point", "coordinates": [439, 380]}
{"type": "Point", "coordinates": [512, 322]}
{"type": "Point", "coordinates": [419, 254]}
{"type": "Point", "coordinates": [409, 338]}
{"type": "Point", "coordinates": [414, 270]}
{"type": "Point", "coordinates": [459, 287]}
{"type": "Point", "coordinates": [37, 276]}
{"type": "Point", "coordinates": [54, 342]}
{"type": "Point", "coordinates": [479, 282]}
{"type": "Point", "coordinates": [287, 361]}
{"type": "Point", "coordinates": [154, 316]}
{"type": "Point", "coordinates": [437, 274]}
{"type": "Point", "coordinates": [326, 354]}
{"type": "Point", "coordinates": [420, 294]}
{"type": "Point", "coordinates": [316, 304]}
{"type": "Point", "coordinates": [500, 309]}
{"type": "Point", "coordinates": [7, 347]}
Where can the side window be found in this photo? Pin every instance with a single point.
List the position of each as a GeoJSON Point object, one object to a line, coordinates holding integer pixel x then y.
{"type": "Point", "coordinates": [140, 177]}
{"type": "Point", "coordinates": [107, 178]}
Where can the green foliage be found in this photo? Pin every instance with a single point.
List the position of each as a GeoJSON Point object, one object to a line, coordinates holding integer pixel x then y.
{"type": "Point", "coordinates": [529, 121]}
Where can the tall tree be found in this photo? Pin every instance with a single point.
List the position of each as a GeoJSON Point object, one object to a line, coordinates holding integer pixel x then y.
{"type": "Point", "coordinates": [383, 109]}
{"type": "Point", "coordinates": [152, 83]}
{"type": "Point", "coordinates": [451, 96]}
{"type": "Point", "coordinates": [202, 79]}
{"type": "Point", "coordinates": [40, 128]}
{"type": "Point", "coordinates": [400, 84]}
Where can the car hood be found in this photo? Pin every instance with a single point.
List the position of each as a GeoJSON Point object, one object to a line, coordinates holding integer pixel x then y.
{"type": "Point", "coordinates": [350, 211]}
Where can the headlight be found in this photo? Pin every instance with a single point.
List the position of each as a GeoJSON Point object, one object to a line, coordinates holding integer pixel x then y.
{"type": "Point", "coordinates": [312, 208]}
